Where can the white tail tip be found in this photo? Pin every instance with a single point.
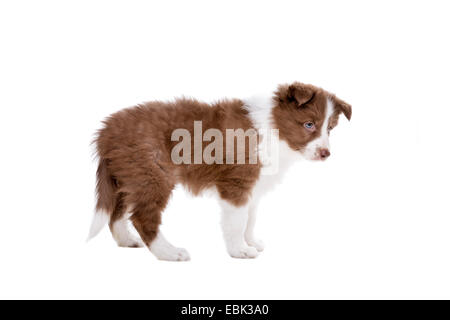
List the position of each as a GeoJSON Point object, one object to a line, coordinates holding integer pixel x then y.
{"type": "Point", "coordinates": [100, 219]}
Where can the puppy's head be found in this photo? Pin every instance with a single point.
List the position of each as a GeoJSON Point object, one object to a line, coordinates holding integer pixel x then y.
{"type": "Point", "coordinates": [305, 115]}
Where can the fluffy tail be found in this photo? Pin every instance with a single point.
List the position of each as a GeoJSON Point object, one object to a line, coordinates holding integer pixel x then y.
{"type": "Point", "coordinates": [106, 198]}
{"type": "Point", "coordinates": [98, 222]}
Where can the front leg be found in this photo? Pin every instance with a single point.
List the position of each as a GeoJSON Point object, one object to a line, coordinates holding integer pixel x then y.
{"type": "Point", "coordinates": [249, 231]}
{"type": "Point", "coordinates": [234, 223]}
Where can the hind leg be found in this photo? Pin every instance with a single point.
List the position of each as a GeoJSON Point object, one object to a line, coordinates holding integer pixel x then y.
{"type": "Point", "coordinates": [120, 226]}
{"type": "Point", "coordinates": [123, 235]}
{"type": "Point", "coordinates": [163, 250]}
{"type": "Point", "coordinates": [146, 219]}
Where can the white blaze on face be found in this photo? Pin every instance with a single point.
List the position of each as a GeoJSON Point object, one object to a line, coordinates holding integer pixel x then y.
{"type": "Point", "coordinates": [311, 151]}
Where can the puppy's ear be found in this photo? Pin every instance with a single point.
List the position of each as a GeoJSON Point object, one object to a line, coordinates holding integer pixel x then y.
{"type": "Point", "coordinates": [343, 107]}
{"type": "Point", "coordinates": [300, 93]}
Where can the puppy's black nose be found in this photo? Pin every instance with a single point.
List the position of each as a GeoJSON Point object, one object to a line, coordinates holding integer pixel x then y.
{"type": "Point", "coordinates": [324, 153]}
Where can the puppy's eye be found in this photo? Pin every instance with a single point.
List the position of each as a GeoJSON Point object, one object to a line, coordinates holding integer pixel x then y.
{"type": "Point", "coordinates": [309, 126]}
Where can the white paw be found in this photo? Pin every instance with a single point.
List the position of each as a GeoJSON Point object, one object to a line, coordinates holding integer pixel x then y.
{"type": "Point", "coordinates": [173, 254]}
{"type": "Point", "coordinates": [163, 250]}
{"type": "Point", "coordinates": [257, 244]}
{"type": "Point", "coordinates": [183, 254]}
{"type": "Point", "coordinates": [244, 252]}
{"type": "Point", "coordinates": [131, 242]}
{"type": "Point", "coordinates": [124, 237]}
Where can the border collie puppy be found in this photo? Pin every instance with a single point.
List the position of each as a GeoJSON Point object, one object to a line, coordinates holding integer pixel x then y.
{"type": "Point", "coordinates": [141, 159]}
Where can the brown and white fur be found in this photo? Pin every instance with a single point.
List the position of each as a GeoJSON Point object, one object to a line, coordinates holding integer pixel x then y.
{"type": "Point", "coordinates": [136, 175]}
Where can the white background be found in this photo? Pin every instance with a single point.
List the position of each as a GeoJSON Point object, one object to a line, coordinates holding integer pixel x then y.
{"type": "Point", "coordinates": [371, 222]}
